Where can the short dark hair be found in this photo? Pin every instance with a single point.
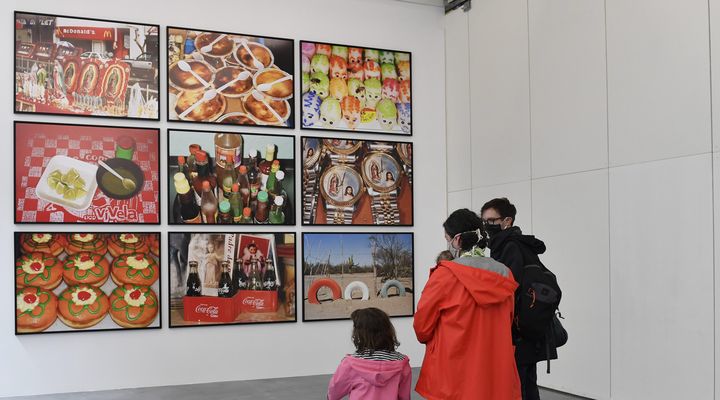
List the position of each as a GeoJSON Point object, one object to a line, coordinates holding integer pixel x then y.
{"type": "Point", "coordinates": [466, 223]}
{"type": "Point", "coordinates": [502, 205]}
{"type": "Point", "coordinates": [372, 330]}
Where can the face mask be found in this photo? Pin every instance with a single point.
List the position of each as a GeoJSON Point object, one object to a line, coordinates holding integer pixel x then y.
{"type": "Point", "coordinates": [493, 229]}
{"type": "Point", "coordinates": [452, 248]}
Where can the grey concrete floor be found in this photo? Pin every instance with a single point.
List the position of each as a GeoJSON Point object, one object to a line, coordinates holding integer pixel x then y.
{"type": "Point", "coordinates": [297, 388]}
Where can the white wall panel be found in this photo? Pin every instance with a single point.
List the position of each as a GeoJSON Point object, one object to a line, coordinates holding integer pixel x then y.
{"type": "Point", "coordinates": [570, 214]}
{"type": "Point", "coordinates": [499, 102]}
{"type": "Point", "coordinates": [567, 86]}
{"type": "Point", "coordinates": [518, 193]}
{"type": "Point", "coordinates": [714, 6]}
{"type": "Point", "coordinates": [459, 199]}
{"type": "Point", "coordinates": [457, 105]}
{"type": "Point", "coordinates": [658, 79]}
{"type": "Point", "coordinates": [661, 250]}
{"type": "Point", "coordinates": [716, 207]}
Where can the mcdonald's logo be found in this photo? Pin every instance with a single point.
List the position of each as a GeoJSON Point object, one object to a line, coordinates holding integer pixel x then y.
{"type": "Point", "coordinates": [107, 34]}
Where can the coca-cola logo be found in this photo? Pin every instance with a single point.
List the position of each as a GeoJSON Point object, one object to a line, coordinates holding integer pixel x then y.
{"type": "Point", "coordinates": [254, 302]}
{"type": "Point", "coordinates": [210, 311]}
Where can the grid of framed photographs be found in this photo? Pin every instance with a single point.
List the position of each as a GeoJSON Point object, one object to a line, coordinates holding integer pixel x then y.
{"type": "Point", "coordinates": [101, 174]}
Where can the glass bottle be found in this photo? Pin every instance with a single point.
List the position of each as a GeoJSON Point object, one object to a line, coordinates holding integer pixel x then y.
{"type": "Point", "coordinates": [253, 175]}
{"type": "Point", "coordinates": [183, 167]}
{"type": "Point", "coordinates": [194, 285]}
{"type": "Point", "coordinates": [272, 178]}
{"type": "Point", "coordinates": [187, 210]}
{"type": "Point", "coordinates": [256, 282]}
{"type": "Point", "coordinates": [247, 216]}
{"type": "Point", "coordinates": [227, 177]}
{"type": "Point", "coordinates": [236, 203]}
{"type": "Point", "coordinates": [270, 278]}
{"type": "Point", "coordinates": [208, 204]}
{"type": "Point", "coordinates": [225, 284]}
{"type": "Point", "coordinates": [225, 216]}
{"type": "Point", "coordinates": [239, 278]}
{"type": "Point", "coordinates": [277, 216]}
{"type": "Point", "coordinates": [244, 185]}
{"type": "Point", "coordinates": [261, 210]}
{"type": "Point", "coordinates": [266, 164]}
{"type": "Point", "coordinates": [125, 147]}
{"type": "Point", "coordinates": [228, 149]}
{"type": "Point", "coordinates": [204, 173]}
{"type": "Point", "coordinates": [192, 169]}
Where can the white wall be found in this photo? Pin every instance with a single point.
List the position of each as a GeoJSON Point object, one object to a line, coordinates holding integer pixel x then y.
{"type": "Point", "coordinates": [183, 356]}
{"type": "Point", "coordinates": [595, 118]}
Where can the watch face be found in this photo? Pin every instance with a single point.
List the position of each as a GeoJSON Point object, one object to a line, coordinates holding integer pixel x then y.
{"type": "Point", "coordinates": [311, 151]}
{"type": "Point", "coordinates": [381, 172]}
{"type": "Point", "coordinates": [342, 146]}
{"type": "Point", "coordinates": [405, 152]}
{"type": "Point", "coordinates": [341, 185]}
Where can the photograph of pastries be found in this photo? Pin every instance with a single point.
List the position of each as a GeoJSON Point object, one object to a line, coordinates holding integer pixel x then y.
{"type": "Point", "coordinates": [86, 174]}
{"type": "Point", "coordinates": [229, 78]}
{"type": "Point", "coordinates": [71, 281]}
{"type": "Point", "coordinates": [346, 88]}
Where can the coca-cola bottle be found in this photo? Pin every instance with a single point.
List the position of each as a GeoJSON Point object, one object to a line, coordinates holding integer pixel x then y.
{"type": "Point", "coordinates": [270, 279]}
{"type": "Point", "coordinates": [239, 278]}
{"type": "Point", "coordinates": [256, 281]}
{"type": "Point", "coordinates": [194, 286]}
{"type": "Point", "coordinates": [224, 287]}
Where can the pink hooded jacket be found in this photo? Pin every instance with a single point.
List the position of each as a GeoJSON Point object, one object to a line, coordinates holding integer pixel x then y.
{"type": "Point", "coordinates": [371, 379]}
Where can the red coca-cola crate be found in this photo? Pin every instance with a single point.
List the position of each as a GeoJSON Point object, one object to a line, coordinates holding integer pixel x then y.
{"type": "Point", "coordinates": [257, 301]}
{"type": "Point", "coordinates": [210, 309]}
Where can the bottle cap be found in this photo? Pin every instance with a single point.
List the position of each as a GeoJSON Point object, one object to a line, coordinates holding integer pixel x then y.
{"type": "Point", "coordinates": [279, 200]}
{"type": "Point", "coordinates": [201, 155]}
{"type": "Point", "coordinates": [235, 187]}
{"type": "Point", "coordinates": [224, 206]}
{"type": "Point", "coordinates": [206, 186]}
{"type": "Point", "coordinates": [247, 212]}
{"type": "Point", "coordinates": [243, 169]}
{"type": "Point", "coordinates": [279, 175]}
{"type": "Point", "coordinates": [262, 196]}
{"type": "Point", "coordinates": [182, 186]}
{"type": "Point", "coordinates": [181, 160]}
{"type": "Point", "coordinates": [126, 142]}
{"type": "Point", "coordinates": [179, 177]}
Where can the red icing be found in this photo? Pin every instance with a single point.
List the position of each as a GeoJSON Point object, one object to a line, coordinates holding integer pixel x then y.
{"type": "Point", "coordinates": [84, 295]}
{"type": "Point", "coordinates": [139, 257]}
{"type": "Point", "coordinates": [135, 294]}
{"type": "Point", "coordinates": [36, 266]}
{"type": "Point", "coordinates": [85, 258]}
{"type": "Point", "coordinates": [129, 236]}
{"type": "Point", "coordinates": [82, 235]}
{"type": "Point", "coordinates": [29, 298]}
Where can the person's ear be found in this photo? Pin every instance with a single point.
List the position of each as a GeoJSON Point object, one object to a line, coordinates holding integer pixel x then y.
{"type": "Point", "coordinates": [508, 222]}
{"type": "Point", "coordinates": [457, 242]}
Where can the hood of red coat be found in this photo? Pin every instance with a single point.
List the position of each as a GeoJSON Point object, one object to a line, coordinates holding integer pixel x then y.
{"type": "Point", "coordinates": [487, 281]}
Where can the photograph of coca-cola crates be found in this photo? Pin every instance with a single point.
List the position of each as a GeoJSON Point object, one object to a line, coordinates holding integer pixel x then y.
{"type": "Point", "coordinates": [231, 278]}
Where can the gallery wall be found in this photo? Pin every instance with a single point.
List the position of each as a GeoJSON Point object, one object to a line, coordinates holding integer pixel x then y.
{"type": "Point", "coordinates": [596, 119]}
{"type": "Point", "coordinates": [207, 354]}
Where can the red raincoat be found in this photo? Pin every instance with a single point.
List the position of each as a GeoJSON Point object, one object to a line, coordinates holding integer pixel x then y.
{"type": "Point", "coordinates": [464, 318]}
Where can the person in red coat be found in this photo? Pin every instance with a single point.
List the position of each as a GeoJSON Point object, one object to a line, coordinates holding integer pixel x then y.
{"type": "Point", "coordinates": [464, 319]}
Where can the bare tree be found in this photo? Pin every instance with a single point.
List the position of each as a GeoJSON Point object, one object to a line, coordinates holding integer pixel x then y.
{"type": "Point", "coordinates": [391, 256]}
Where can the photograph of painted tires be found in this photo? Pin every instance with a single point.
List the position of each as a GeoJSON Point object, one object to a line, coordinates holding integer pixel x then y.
{"type": "Point", "coordinates": [392, 283]}
{"type": "Point", "coordinates": [320, 283]}
{"type": "Point", "coordinates": [357, 285]}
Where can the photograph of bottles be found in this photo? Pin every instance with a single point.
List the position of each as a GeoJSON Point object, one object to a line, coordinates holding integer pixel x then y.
{"type": "Point", "coordinates": [231, 178]}
{"type": "Point", "coordinates": [231, 278]}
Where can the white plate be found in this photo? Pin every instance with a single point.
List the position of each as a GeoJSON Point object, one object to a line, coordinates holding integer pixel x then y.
{"type": "Point", "coordinates": [63, 163]}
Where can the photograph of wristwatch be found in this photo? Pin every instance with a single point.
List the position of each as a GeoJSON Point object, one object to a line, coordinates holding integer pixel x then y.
{"type": "Point", "coordinates": [382, 174]}
{"type": "Point", "coordinates": [380, 146]}
{"type": "Point", "coordinates": [342, 151]}
{"type": "Point", "coordinates": [405, 152]}
{"type": "Point", "coordinates": [341, 187]}
{"type": "Point", "coordinates": [312, 150]}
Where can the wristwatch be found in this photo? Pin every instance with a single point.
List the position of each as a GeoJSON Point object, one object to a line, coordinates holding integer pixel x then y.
{"type": "Point", "coordinates": [405, 152]}
{"type": "Point", "coordinates": [342, 151]}
{"type": "Point", "coordinates": [382, 174]}
{"type": "Point", "coordinates": [341, 187]}
{"type": "Point", "coordinates": [380, 146]}
{"type": "Point", "coordinates": [312, 153]}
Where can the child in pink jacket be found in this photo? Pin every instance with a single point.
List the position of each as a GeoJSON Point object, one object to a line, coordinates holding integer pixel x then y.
{"type": "Point", "coordinates": [375, 370]}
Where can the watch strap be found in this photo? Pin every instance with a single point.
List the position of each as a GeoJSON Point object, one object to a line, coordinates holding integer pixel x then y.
{"type": "Point", "coordinates": [337, 215]}
{"type": "Point", "coordinates": [384, 208]}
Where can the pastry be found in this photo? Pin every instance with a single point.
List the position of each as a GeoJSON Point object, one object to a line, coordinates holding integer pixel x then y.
{"type": "Point", "coordinates": [220, 48]}
{"type": "Point", "coordinates": [39, 270]}
{"type": "Point", "coordinates": [35, 309]}
{"type": "Point", "coordinates": [262, 114]}
{"type": "Point", "coordinates": [153, 240]}
{"type": "Point", "coordinates": [226, 75]}
{"type": "Point", "coordinates": [86, 242]}
{"type": "Point", "coordinates": [185, 80]}
{"type": "Point", "coordinates": [82, 306]}
{"type": "Point", "coordinates": [133, 306]}
{"type": "Point", "coordinates": [127, 243]}
{"type": "Point", "coordinates": [136, 269]}
{"type": "Point", "coordinates": [86, 268]}
{"type": "Point", "coordinates": [278, 91]}
{"type": "Point", "coordinates": [205, 111]}
{"type": "Point", "coordinates": [49, 243]}
{"type": "Point", "coordinates": [261, 53]}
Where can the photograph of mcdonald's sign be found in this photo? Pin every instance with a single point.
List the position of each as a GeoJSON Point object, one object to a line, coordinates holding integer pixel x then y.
{"type": "Point", "coordinates": [84, 66]}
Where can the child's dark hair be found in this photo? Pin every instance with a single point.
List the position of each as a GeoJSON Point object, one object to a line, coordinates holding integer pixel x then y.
{"type": "Point", "coordinates": [466, 223]}
{"type": "Point", "coordinates": [372, 330]}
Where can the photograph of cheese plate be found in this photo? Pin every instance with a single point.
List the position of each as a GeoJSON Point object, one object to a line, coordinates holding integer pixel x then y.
{"type": "Point", "coordinates": [86, 174]}
{"type": "Point", "coordinates": [74, 282]}
{"type": "Point", "coordinates": [84, 66]}
{"type": "Point", "coordinates": [229, 78]}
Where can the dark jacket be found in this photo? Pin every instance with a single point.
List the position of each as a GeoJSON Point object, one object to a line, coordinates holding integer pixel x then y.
{"type": "Point", "coordinates": [516, 250]}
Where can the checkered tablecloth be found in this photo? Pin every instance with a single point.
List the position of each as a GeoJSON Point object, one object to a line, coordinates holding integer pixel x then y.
{"type": "Point", "coordinates": [36, 144]}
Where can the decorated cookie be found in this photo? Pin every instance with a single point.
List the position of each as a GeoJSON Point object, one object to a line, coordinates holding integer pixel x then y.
{"type": "Point", "coordinates": [89, 242]}
{"type": "Point", "coordinates": [372, 70]}
{"type": "Point", "coordinates": [373, 92]}
{"type": "Point", "coordinates": [350, 107]}
{"type": "Point", "coordinates": [86, 268]}
{"type": "Point", "coordinates": [311, 109]}
{"type": "Point", "coordinates": [35, 309]}
{"type": "Point", "coordinates": [127, 243]}
{"type": "Point", "coordinates": [355, 57]}
{"type": "Point", "coordinates": [82, 306]}
{"type": "Point", "coordinates": [390, 89]}
{"type": "Point", "coordinates": [320, 63]}
{"type": "Point", "coordinates": [136, 269]}
{"type": "Point", "coordinates": [49, 243]}
{"type": "Point", "coordinates": [320, 84]}
{"type": "Point", "coordinates": [388, 71]}
{"type": "Point", "coordinates": [386, 114]}
{"type": "Point", "coordinates": [356, 88]}
{"type": "Point", "coordinates": [133, 306]}
{"type": "Point", "coordinates": [38, 269]}
{"type": "Point", "coordinates": [338, 88]}
{"type": "Point", "coordinates": [330, 112]}
{"type": "Point", "coordinates": [338, 68]}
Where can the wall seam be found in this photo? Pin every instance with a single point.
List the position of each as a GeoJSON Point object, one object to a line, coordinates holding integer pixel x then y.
{"type": "Point", "coordinates": [713, 199]}
{"type": "Point", "coordinates": [607, 129]}
{"type": "Point", "coordinates": [527, 19]}
{"type": "Point", "coordinates": [469, 118]}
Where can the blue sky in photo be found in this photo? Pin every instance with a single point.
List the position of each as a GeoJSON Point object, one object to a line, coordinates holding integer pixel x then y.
{"type": "Point", "coordinates": [339, 246]}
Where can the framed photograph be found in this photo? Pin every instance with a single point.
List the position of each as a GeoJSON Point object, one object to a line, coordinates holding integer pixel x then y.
{"type": "Point", "coordinates": [356, 182]}
{"type": "Point", "coordinates": [230, 78]}
{"type": "Point", "coordinates": [355, 89]}
{"type": "Point", "coordinates": [250, 178]}
{"type": "Point", "coordinates": [344, 272]}
{"type": "Point", "coordinates": [231, 278]}
{"type": "Point", "coordinates": [87, 67]}
{"type": "Point", "coordinates": [71, 282]}
{"type": "Point", "coordinates": [65, 173]}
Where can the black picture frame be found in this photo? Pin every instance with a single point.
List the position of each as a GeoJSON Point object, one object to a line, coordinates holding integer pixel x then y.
{"type": "Point", "coordinates": [230, 324]}
{"type": "Point", "coordinates": [324, 162]}
{"type": "Point", "coordinates": [293, 206]}
{"type": "Point", "coordinates": [362, 303]}
{"type": "Point", "coordinates": [156, 287]}
{"type": "Point", "coordinates": [17, 210]}
{"type": "Point", "coordinates": [290, 121]}
{"type": "Point", "coordinates": [157, 66]}
{"type": "Point", "coordinates": [354, 131]}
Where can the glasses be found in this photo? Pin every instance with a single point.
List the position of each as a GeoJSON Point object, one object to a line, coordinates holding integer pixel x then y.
{"type": "Point", "coordinates": [492, 221]}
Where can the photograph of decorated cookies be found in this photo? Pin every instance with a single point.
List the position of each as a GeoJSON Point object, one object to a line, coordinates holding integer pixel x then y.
{"type": "Point", "coordinates": [344, 272]}
{"type": "Point", "coordinates": [357, 89]}
{"type": "Point", "coordinates": [86, 174]}
{"type": "Point", "coordinates": [230, 78]}
{"type": "Point", "coordinates": [231, 278]}
{"type": "Point", "coordinates": [68, 282]}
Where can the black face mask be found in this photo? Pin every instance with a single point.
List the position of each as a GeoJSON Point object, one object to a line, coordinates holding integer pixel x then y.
{"type": "Point", "coordinates": [492, 229]}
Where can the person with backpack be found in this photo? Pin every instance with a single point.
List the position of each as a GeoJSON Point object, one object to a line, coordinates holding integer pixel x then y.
{"type": "Point", "coordinates": [537, 297]}
{"type": "Point", "coordinates": [464, 317]}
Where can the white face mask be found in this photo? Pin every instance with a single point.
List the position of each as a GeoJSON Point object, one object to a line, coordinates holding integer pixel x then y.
{"type": "Point", "coordinates": [456, 252]}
